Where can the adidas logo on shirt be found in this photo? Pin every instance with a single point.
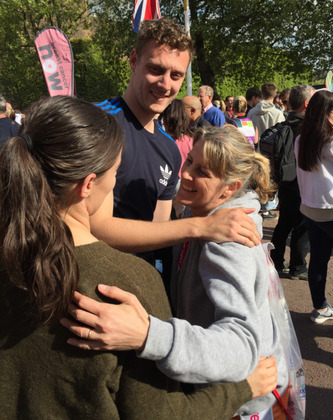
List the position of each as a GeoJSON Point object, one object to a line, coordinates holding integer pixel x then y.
{"type": "Point", "coordinates": [166, 175]}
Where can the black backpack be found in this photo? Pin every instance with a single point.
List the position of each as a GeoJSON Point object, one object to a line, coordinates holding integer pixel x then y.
{"type": "Point", "coordinates": [277, 144]}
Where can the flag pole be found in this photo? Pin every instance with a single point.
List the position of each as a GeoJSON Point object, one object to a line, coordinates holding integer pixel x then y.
{"type": "Point", "coordinates": [187, 30]}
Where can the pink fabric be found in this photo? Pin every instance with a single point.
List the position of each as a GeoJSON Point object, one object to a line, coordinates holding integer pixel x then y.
{"type": "Point", "coordinates": [185, 145]}
{"type": "Point", "coordinates": [56, 57]}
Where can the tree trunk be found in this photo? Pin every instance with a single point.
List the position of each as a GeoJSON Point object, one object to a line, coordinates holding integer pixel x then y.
{"type": "Point", "coordinates": [205, 70]}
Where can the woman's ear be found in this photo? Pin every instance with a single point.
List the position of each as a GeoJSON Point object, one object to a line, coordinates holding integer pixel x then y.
{"type": "Point", "coordinates": [231, 189]}
{"type": "Point", "coordinates": [84, 190]}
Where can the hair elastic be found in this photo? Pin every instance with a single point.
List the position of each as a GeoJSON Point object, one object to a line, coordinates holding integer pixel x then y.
{"type": "Point", "coordinates": [27, 139]}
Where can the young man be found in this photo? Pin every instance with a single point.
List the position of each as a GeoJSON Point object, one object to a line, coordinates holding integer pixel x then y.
{"type": "Point", "coordinates": [150, 160]}
{"type": "Point", "coordinates": [253, 96]}
{"type": "Point", "coordinates": [264, 115]}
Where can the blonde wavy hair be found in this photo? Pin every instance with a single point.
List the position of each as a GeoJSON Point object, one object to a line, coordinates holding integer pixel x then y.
{"type": "Point", "coordinates": [230, 156]}
{"type": "Point", "coordinates": [240, 104]}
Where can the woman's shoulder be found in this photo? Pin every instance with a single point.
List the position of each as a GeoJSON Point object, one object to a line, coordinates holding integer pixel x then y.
{"type": "Point", "coordinates": [99, 263]}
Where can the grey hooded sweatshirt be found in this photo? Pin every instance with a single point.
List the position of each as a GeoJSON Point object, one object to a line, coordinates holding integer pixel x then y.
{"type": "Point", "coordinates": [224, 321]}
{"type": "Point", "coordinates": [264, 115]}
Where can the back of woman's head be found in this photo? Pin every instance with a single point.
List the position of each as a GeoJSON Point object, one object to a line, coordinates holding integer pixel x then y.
{"type": "Point", "coordinates": [239, 105]}
{"type": "Point", "coordinates": [316, 129]}
{"type": "Point", "coordinates": [70, 139]}
{"type": "Point", "coordinates": [175, 119]}
{"type": "Point", "coordinates": [230, 156]}
{"type": "Point", "coordinates": [63, 140]}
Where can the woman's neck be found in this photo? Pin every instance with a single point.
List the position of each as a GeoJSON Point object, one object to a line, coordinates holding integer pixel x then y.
{"type": "Point", "coordinates": [78, 221]}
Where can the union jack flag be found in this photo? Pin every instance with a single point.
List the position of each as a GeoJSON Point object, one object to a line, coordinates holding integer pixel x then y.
{"type": "Point", "coordinates": [145, 10]}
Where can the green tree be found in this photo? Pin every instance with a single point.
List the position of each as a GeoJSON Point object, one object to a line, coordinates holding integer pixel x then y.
{"type": "Point", "coordinates": [99, 74]}
{"type": "Point", "coordinates": [21, 77]}
{"type": "Point", "coordinates": [238, 44]}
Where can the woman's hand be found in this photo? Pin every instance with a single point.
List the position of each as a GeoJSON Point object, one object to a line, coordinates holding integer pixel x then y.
{"type": "Point", "coordinates": [264, 377]}
{"type": "Point", "coordinates": [107, 326]}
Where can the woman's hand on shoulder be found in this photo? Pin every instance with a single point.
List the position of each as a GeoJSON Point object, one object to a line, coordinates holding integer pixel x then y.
{"type": "Point", "coordinates": [105, 326]}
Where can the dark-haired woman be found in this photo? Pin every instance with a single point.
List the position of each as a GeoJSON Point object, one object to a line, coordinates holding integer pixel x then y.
{"type": "Point", "coordinates": [176, 124]}
{"type": "Point", "coordinates": [53, 176]}
{"type": "Point", "coordinates": [314, 154]}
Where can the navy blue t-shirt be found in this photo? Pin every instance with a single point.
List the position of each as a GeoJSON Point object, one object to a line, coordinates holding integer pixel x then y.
{"type": "Point", "coordinates": [8, 129]}
{"type": "Point", "coordinates": [149, 165]}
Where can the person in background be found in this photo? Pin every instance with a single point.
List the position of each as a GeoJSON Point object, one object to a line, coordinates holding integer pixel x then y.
{"type": "Point", "coordinates": [193, 110]}
{"type": "Point", "coordinates": [228, 113]}
{"type": "Point", "coordinates": [8, 127]}
{"type": "Point", "coordinates": [176, 124]}
{"type": "Point", "coordinates": [265, 115]}
{"type": "Point", "coordinates": [284, 101]}
{"type": "Point", "coordinates": [277, 101]}
{"type": "Point", "coordinates": [223, 106]}
{"type": "Point", "coordinates": [291, 220]}
{"type": "Point", "coordinates": [253, 96]}
{"type": "Point", "coordinates": [211, 113]}
{"type": "Point", "coordinates": [314, 156]}
{"type": "Point", "coordinates": [244, 124]}
{"type": "Point", "coordinates": [19, 116]}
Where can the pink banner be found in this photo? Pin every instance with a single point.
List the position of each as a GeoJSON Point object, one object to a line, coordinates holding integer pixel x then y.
{"type": "Point", "coordinates": [56, 57]}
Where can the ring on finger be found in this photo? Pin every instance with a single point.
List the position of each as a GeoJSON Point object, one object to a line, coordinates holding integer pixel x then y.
{"type": "Point", "coordinates": [89, 333]}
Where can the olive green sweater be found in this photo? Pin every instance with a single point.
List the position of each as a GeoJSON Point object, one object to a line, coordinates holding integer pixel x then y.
{"type": "Point", "coordinates": [42, 377]}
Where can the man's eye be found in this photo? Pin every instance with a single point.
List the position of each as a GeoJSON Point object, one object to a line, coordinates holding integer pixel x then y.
{"type": "Point", "coordinates": [176, 76]}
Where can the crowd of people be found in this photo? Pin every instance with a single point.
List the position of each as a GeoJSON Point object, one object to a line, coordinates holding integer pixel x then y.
{"type": "Point", "coordinates": [94, 194]}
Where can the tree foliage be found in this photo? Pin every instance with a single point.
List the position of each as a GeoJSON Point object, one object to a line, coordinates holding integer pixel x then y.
{"type": "Point", "coordinates": [21, 78]}
{"type": "Point", "coordinates": [238, 44]}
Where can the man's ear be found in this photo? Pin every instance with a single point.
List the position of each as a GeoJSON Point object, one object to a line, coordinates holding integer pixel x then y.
{"type": "Point", "coordinates": [230, 189]}
{"type": "Point", "coordinates": [87, 186]}
{"type": "Point", "coordinates": [133, 59]}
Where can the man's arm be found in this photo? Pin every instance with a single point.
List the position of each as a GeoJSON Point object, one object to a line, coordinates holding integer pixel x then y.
{"type": "Point", "coordinates": [225, 225]}
{"type": "Point", "coordinates": [162, 211]}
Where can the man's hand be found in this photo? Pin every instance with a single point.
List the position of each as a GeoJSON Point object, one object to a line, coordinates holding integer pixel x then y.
{"type": "Point", "coordinates": [264, 377]}
{"type": "Point", "coordinates": [108, 327]}
{"type": "Point", "coordinates": [230, 225]}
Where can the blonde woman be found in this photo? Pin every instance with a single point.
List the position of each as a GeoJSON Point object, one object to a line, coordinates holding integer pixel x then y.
{"type": "Point", "coordinates": [244, 124]}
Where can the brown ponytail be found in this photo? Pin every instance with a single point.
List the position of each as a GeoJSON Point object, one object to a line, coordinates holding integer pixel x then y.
{"type": "Point", "coordinates": [70, 139]}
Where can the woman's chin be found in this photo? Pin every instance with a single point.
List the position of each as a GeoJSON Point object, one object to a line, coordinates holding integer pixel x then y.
{"type": "Point", "coordinates": [183, 201]}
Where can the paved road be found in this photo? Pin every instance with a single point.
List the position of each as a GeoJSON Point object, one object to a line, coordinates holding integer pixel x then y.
{"type": "Point", "coordinates": [316, 341]}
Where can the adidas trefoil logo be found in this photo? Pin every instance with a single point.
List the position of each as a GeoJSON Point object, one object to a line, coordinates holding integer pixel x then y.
{"type": "Point", "coordinates": [165, 172]}
{"type": "Point", "coordinates": [166, 175]}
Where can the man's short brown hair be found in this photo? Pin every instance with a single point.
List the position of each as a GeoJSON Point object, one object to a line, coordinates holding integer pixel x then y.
{"type": "Point", "coordinates": [268, 90]}
{"type": "Point", "coordinates": [163, 32]}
